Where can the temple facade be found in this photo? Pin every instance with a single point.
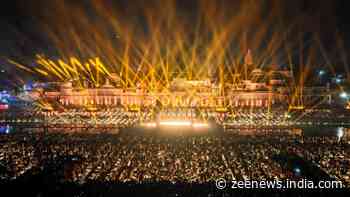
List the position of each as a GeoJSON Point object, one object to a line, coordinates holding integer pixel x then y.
{"type": "Point", "coordinates": [255, 88]}
{"type": "Point", "coordinates": [255, 92]}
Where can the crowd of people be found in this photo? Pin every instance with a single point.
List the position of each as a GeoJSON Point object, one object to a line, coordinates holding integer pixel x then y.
{"type": "Point", "coordinates": [329, 155]}
{"type": "Point", "coordinates": [144, 158]}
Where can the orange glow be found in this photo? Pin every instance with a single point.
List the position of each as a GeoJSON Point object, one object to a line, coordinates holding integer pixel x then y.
{"type": "Point", "coordinates": [175, 123]}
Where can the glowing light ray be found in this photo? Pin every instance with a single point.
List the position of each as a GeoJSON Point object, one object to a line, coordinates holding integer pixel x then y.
{"type": "Point", "coordinates": [168, 48]}
{"type": "Point", "coordinates": [45, 64]}
{"type": "Point", "coordinates": [23, 67]}
{"type": "Point", "coordinates": [41, 71]}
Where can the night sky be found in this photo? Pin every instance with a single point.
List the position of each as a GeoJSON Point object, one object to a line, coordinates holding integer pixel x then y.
{"type": "Point", "coordinates": [24, 24]}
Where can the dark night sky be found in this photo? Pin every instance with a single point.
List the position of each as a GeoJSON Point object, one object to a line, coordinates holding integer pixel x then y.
{"type": "Point", "coordinates": [323, 16]}
{"type": "Point", "coordinates": [328, 18]}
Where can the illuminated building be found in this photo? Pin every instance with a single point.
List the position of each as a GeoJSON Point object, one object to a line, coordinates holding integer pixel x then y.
{"type": "Point", "coordinates": [182, 93]}
{"type": "Point", "coordinates": [258, 88]}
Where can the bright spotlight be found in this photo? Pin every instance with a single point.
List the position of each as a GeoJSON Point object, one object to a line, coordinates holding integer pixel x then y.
{"type": "Point", "coordinates": [149, 124]}
{"type": "Point", "coordinates": [321, 72]}
{"type": "Point", "coordinates": [175, 123]}
{"type": "Point", "coordinates": [340, 132]}
{"type": "Point", "coordinates": [200, 125]}
{"type": "Point", "coordinates": [343, 95]}
{"type": "Point", "coordinates": [297, 171]}
{"type": "Point", "coordinates": [338, 80]}
{"type": "Point", "coordinates": [7, 129]}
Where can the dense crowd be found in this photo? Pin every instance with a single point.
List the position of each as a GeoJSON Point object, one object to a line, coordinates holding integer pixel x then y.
{"type": "Point", "coordinates": [329, 155]}
{"type": "Point", "coordinates": [182, 159]}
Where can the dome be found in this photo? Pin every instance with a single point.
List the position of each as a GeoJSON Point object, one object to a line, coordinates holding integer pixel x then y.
{"type": "Point", "coordinates": [107, 84]}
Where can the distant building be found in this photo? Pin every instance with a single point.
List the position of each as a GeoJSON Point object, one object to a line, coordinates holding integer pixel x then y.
{"type": "Point", "coordinates": [262, 88]}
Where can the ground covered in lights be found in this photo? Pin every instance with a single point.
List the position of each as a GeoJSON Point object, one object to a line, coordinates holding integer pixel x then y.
{"type": "Point", "coordinates": [81, 164]}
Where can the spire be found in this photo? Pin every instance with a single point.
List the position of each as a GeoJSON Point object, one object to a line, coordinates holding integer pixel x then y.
{"type": "Point", "coordinates": [248, 59]}
{"type": "Point", "coordinates": [107, 84]}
